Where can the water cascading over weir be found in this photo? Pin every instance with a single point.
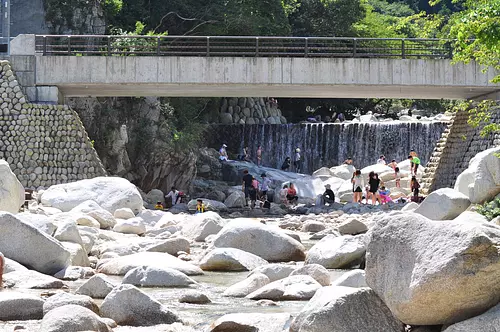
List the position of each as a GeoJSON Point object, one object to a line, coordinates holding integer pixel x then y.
{"type": "Point", "coordinates": [327, 145]}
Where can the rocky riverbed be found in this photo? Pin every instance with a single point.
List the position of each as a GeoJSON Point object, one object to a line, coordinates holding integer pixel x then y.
{"type": "Point", "coordinates": [87, 256]}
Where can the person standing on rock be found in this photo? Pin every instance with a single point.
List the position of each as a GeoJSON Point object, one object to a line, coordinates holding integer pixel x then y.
{"type": "Point", "coordinates": [247, 185]}
{"type": "Point", "coordinates": [223, 153]}
{"type": "Point", "coordinates": [374, 184]}
{"type": "Point", "coordinates": [357, 186]}
{"type": "Point", "coordinates": [259, 156]}
{"type": "Point", "coordinates": [298, 161]}
{"type": "Point", "coordinates": [414, 162]}
{"type": "Point", "coordinates": [415, 189]}
{"type": "Point", "coordinates": [264, 186]}
{"type": "Point", "coordinates": [173, 194]}
{"type": "Point", "coordinates": [397, 177]}
{"type": "Point", "coordinates": [393, 164]}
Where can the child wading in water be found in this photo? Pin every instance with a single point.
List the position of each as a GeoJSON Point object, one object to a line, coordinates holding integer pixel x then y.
{"type": "Point", "coordinates": [397, 177]}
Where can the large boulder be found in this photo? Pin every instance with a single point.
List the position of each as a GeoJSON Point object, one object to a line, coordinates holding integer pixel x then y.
{"type": "Point", "coordinates": [111, 193]}
{"type": "Point", "coordinates": [489, 321]}
{"type": "Point", "coordinates": [170, 246]}
{"type": "Point", "coordinates": [261, 240]}
{"type": "Point", "coordinates": [252, 322]}
{"type": "Point", "coordinates": [121, 265]}
{"type": "Point", "coordinates": [346, 309]}
{"type": "Point", "coordinates": [230, 259]}
{"type": "Point", "coordinates": [39, 221]}
{"type": "Point", "coordinates": [343, 172]}
{"type": "Point", "coordinates": [210, 205]}
{"type": "Point", "coordinates": [41, 252]}
{"type": "Point", "coordinates": [355, 278]}
{"type": "Point", "coordinates": [127, 305]}
{"type": "Point", "coordinates": [146, 276]}
{"type": "Point", "coordinates": [443, 204]}
{"type": "Point", "coordinates": [444, 272]}
{"type": "Point", "coordinates": [97, 287]}
{"type": "Point", "coordinates": [73, 317]}
{"type": "Point", "coordinates": [247, 286]}
{"type": "Point", "coordinates": [130, 226]}
{"type": "Point", "coordinates": [481, 180]}
{"type": "Point", "coordinates": [11, 190]}
{"type": "Point", "coordinates": [20, 306]}
{"type": "Point", "coordinates": [63, 298]}
{"type": "Point", "coordinates": [293, 288]}
{"type": "Point", "coordinates": [199, 226]}
{"type": "Point", "coordinates": [235, 200]}
{"type": "Point", "coordinates": [275, 271]}
{"type": "Point", "coordinates": [318, 272]}
{"type": "Point", "coordinates": [335, 252]}
{"type": "Point", "coordinates": [30, 279]}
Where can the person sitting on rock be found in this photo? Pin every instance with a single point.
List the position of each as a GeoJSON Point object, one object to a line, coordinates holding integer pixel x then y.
{"type": "Point", "coordinates": [158, 206]}
{"type": "Point", "coordinates": [328, 195]}
{"type": "Point", "coordinates": [283, 193]}
{"type": "Point", "coordinates": [286, 164]}
{"type": "Point", "coordinates": [223, 153]}
{"type": "Point", "coordinates": [385, 195]}
{"type": "Point", "coordinates": [291, 196]}
{"type": "Point", "coordinates": [200, 207]}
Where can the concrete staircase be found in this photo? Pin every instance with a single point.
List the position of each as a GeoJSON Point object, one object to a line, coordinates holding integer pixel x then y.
{"type": "Point", "coordinates": [459, 143]}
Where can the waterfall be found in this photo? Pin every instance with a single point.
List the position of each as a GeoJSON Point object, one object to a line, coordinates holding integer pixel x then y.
{"type": "Point", "coordinates": [327, 145]}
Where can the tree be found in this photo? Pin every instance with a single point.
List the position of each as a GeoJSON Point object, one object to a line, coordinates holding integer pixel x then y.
{"type": "Point", "coordinates": [327, 18]}
{"type": "Point", "coordinates": [477, 33]}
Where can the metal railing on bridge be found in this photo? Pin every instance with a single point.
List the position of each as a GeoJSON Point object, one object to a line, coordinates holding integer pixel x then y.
{"type": "Point", "coordinates": [243, 46]}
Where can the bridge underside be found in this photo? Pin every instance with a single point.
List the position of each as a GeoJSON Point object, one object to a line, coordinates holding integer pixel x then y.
{"type": "Point", "coordinates": [275, 90]}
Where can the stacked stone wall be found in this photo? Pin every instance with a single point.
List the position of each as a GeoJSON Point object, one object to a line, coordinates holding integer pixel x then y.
{"type": "Point", "coordinates": [251, 110]}
{"type": "Point", "coordinates": [43, 144]}
{"type": "Point", "coordinates": [458, 145]}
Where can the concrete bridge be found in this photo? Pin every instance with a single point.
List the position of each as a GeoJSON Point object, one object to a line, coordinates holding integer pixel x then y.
{"type": "Point", "coordinates": [50, 67]}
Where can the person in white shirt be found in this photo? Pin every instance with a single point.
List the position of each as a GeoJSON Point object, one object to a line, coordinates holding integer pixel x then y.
{"type": "Point", "coordinates": [381, 160]}
{"type": "Point", "coordinates": [174, 193]}
{"type": "Point", "coordinates": [223, 153]}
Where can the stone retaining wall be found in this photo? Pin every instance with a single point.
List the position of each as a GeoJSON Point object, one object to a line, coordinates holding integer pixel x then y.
{"type": "Point", "coordinates": [44, 144]}
{"type": "Point", "coordinates": [458, 145]}
{"type": "Point", "coordinates": [251, 110]}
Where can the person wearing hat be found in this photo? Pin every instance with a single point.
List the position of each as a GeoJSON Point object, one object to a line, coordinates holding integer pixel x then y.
{"type": "Point", "coordinates": [328, 195]}
{"type": "Point", "coordinates": [223, 153]}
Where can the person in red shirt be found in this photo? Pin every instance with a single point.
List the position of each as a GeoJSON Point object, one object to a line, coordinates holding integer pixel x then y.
{"type": "Point", "coordinates": [292, 194]}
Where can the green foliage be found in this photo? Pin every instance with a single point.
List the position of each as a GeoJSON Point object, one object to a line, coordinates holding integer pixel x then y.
{"type": "Point", "coordinates": [490, 210]}
{"type": "Point", "coordinates": [477, 34]}
{"type": "Point", "coordinates": [124, 46]}
{"type": "Point", "coordinates": [326, 17]}
{"type": "Point", "coordinates": [479, 115]}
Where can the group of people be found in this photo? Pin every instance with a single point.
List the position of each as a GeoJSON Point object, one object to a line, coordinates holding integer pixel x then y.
{"type": "Point", "coordinates": [243, 156]}
{"type": "Point", "coordinates": [175, 195]}
{"type": "Point", "coordinates": [297, 162]}
{"type": "Point", "coordinates": [255, 190]}
{"type": "Point", "coordinates": [375, 189]}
